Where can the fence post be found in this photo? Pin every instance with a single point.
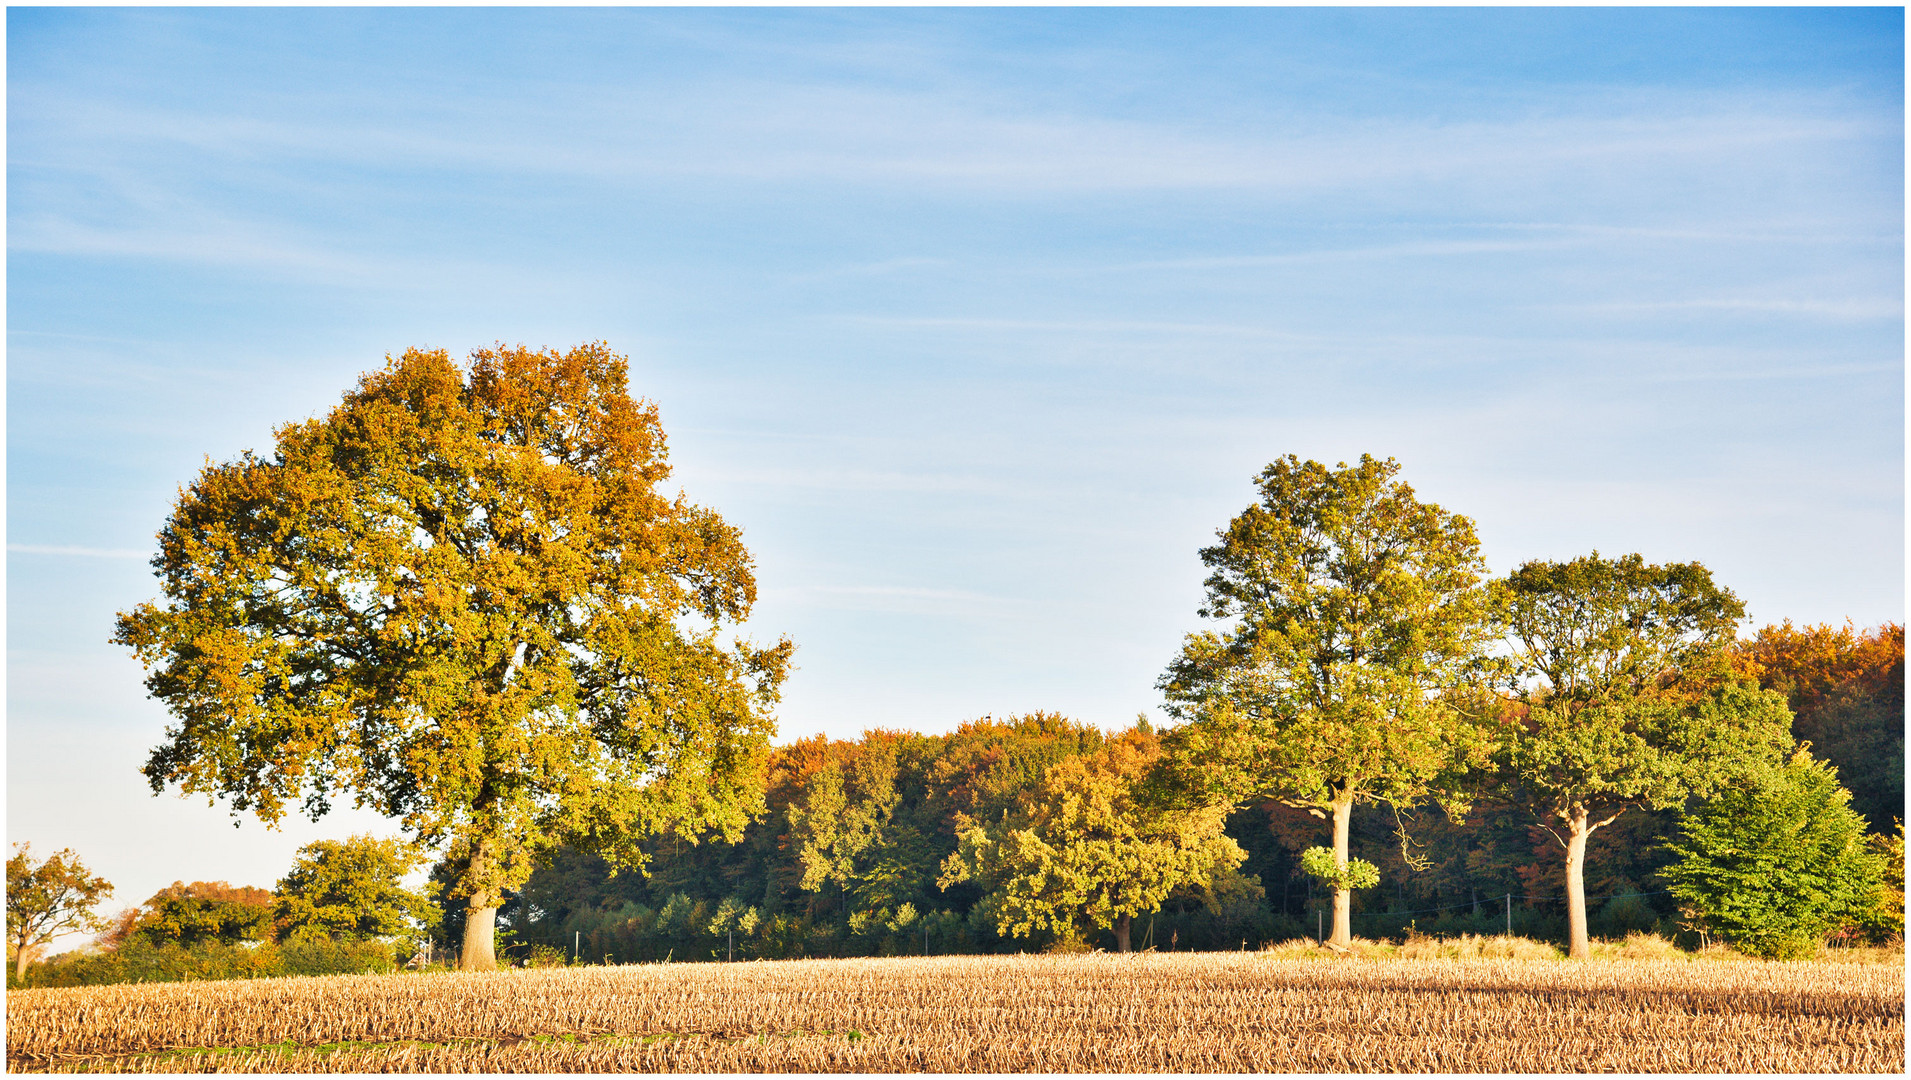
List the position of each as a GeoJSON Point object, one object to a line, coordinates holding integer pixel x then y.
{"type": "Point", "coordinates": [1509, 914]}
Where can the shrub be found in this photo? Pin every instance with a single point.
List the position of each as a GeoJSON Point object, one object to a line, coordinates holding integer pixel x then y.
{"type": "Point", "coordinates": [140, 961]}
{"type": "Point", "coordinates": [1778, 864]}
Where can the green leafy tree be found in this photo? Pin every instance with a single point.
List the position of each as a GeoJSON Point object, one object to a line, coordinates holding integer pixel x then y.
{"type": "Point", "coordinates": [1887, 917]}
{"type": "Point", "coordinates": [1623, 699]}
{"type": "Point", "coordinates": [1353, 605]}
{"type": "Point", "coordinates": [842, 825]}
{"type": "Point", "coordinates": [1776, 863]}
{"type": "Point", "coordinates": [47, 899]}
{"type": "Point", "coordinates": [351, 889]}
{"type": "Point", "coordinates": [202, 912]}
{"type": "Point", "coordinates": [1088, 847]}
{"type": "Point", "coordinates": [460, 599]}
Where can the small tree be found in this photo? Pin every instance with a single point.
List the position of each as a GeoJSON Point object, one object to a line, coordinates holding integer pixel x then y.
{"type": "Point", "coordinates": [1623, 701]}
{"type": "Point", "coordinates": [351, 889]}
{"type": "Point", "coordinates": [1089, 848]}
{"type": "Point", "coordinates": [460, 599]}
{"type": "Point", "coordinates": [45, 900]}
{"type": "Point", "coordinates": [1778, 862]}
{"type": "Point", "coordinates": [1353, 605]}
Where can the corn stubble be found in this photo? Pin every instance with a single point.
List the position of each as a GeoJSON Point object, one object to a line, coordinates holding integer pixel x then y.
{"type": "Point", "coordinates": [1150, 1013]}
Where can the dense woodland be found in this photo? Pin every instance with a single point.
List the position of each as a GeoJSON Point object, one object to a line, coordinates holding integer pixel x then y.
{"type": "Point", "coordinates": [848, 853]}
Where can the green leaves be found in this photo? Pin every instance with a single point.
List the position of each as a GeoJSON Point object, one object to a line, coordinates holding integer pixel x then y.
{"type": "Point", "coordinates": [1318, 862]}
{"type": "Point", "coordinates": [49, 898]}
{"type": "Point", "coordinates": [1594, 627]}
{"type": "Point", "coordinates": [350, 889]}
{"type": "Point", "coordinates": [1087, 847]}
{"type": "Point", "coordinates": [1777, 862]}
{"type": "Point", "coordinates": [1622, 699]}
{"type": "Point", "coordinates": [1352, 604]}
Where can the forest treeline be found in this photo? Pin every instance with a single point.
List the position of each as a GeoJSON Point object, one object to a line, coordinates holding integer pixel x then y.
{"type": "Point", "coordinates": [853, 850]}
{"type": "Point", "coordinates": [463, 599]}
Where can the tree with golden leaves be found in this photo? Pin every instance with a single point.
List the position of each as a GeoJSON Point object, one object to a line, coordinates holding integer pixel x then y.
{"type": "Point", "coordinates": [1090, 846]}
{"type": "Point", "coordinates": [460, 599]}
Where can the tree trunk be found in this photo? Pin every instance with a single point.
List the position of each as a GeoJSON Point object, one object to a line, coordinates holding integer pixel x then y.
{"type": "Point", "coordinates": [23, 955]}
{"type": "Point", "coordinates": [480, 925]}
{"type": "Point", "coordinates": [1122, 925]}
{"type": "Point", "coordinates": [1343, 934]}
{"type": "Point", "coordinates": [1578, 830]}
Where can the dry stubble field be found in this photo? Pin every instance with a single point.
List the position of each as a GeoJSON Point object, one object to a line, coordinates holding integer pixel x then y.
{"type": "Point", "coordinates": [1149, 1013]}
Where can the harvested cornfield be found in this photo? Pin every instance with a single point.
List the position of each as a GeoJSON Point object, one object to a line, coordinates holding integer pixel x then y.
{"type": "Point", "coordinates": [1148, 1013]}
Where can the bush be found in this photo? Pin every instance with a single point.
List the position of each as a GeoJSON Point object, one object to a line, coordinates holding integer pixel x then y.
{"type": "Point", "coordinates": [141, 961]}
{"type": "Point", "coordinates": [1778, 864]}
{"type": "Point", "coordinates": [1624, 915]}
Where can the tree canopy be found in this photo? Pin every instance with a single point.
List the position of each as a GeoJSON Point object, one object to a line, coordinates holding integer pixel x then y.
{"type": "Point", "coordinates": [1089, 847]}
{"type": "Point", "coordinates": [1623, 699]}
{"type": "Point", "coordinates": [351, 889]}
{"type": "Point", "coordinates": [460, 599]}
{"type": "Point", "coordinates": [1846, 691]}
{"type": "Point", "coordinates": [47, 899]}
{"type": "Point", "coordinates": [1352, 605]}
{"type": "Point", "coordinates": [190, 913]}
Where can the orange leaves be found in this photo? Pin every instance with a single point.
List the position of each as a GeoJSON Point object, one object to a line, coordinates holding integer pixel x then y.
{"type": "Point", "coordinates": [1812, 664]}
{"type": "Point", "coordinates": [458, 596]}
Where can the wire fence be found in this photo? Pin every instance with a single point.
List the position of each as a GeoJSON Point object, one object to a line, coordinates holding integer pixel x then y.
{"type": "Point", "coordinates": [1504, 897]}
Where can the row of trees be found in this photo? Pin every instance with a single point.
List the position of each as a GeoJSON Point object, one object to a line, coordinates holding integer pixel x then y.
{"type": "Point", "coordinates": [1040, 832]}
{"type": "Point", "coordinates": [460, 598]}
{"type": "Point", "coordinates": [337, 892]}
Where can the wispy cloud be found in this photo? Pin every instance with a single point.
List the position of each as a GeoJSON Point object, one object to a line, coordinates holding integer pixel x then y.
{"type": "Point", "coordinates": [1842, 309]}
{"type": "Point", "coordinates": [78, 552]}
{"type": "Point", "coordinates": [1070, 326]}
{"type": "Point", "coordinates": [879, 268]}
{"type": "Point", "coordinates": [769, 131]}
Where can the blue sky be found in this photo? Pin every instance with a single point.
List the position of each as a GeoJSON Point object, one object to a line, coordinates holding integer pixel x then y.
{"type": "Point", "coordinates": [977, 321]}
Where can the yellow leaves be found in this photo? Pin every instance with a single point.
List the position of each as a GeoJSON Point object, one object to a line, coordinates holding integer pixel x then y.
{"type": "Point", "coordinates": [1356, 605]}
{"type": "Point", "coordinates": [1088, 847]}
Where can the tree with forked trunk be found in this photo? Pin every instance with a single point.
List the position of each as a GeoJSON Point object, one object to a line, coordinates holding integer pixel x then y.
{"type": "Point", "coordinates": [460, 599]}
{"type": "Point", "coordinates": [1354, 607]}
{"type": "Point", "coordinates": [1623, 699]}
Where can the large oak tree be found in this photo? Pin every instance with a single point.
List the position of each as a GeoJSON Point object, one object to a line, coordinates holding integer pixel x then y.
{"type": "Point", "coordinates": [461, 599]}
{"type": "Point", "coordinates": [1624, 699]}
{"type": "Point", "coordinates": [1351, 606]}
